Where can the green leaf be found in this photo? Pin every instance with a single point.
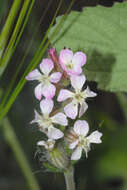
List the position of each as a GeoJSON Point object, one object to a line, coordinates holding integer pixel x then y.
{"type": "Point", "coordinates": [101, 33]}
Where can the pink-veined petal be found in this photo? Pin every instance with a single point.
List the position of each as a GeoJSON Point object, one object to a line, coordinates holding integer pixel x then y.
{"type": "Point", "coordinates": [71, 110]}
{"type": "Point", "coordinates": [65, 58]}
{"type": "Point", "coordinates": [78, 81]}
{"type": "Point", "coordinates": [60, 118]}
{"type": "Point", "coordinates": [46, 66]}
{"type": "Point", "coordinates": [34, 75]}
{"type": "Point", "coordinates": [83, 108]}
{"type": "Point", "coordinates": [54, 133]}
{"type": "Point", "coordinates": [81, 127]}
{"type": "Point", "coordinates": [55, 77]}
{"type": "Point", "coordinates": [64, 94]}
{"type": "Point", "coordinates": [95, 137]}
{"type": "Point", "coordinates": [46, 106]}
{"type": "Point", "coordinates": [73, 145]}
{"type": "Point", "coordinates": [38, 91]}
{"type": "Point", "coordinates": [79, 58]}
{"type": "Point", "coordinates": [77, 70]}
{"type": "Point", "coordinates": [48, 91]}
{"type": "Point", "coordinates": [76, 155]}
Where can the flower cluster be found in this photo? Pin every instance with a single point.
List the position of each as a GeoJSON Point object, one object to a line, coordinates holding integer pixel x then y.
{"type": "Point", "coordinates": [51, 75]}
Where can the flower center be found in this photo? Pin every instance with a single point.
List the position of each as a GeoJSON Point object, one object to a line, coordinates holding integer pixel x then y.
{"type": "Point", "coordinates": [47, 121]}
{"type": "Point", "coordinates": [45, 79]}
{"type": "Point", "coordinates": [69, 65]}
{"type": "Point", "coordinates": [78, 97]}
{"type": "Point", "coordinates": [50, 144]}
{"type": "Point", "coordinates": [83, 142]}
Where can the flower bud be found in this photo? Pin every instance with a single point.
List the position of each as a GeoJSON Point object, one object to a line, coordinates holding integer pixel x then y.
{"type": "Point", "coordinates": [55, 59]}
{"type": "Point", "coordinates": [58, 158]}
{"type": "Point", "coordinates": [53, 55]}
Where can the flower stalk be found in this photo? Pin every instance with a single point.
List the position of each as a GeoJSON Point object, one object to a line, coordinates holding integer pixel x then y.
{"type": "Point", "coordinates": [69, 178]}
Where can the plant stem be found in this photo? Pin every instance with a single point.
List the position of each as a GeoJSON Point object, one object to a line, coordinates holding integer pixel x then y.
{"type": "Point", "coordinates": [12, 140]}
{"type": "Point", "coordinates": [69, 178]}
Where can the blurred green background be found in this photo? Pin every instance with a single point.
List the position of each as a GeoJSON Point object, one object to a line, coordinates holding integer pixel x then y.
{"type": "Point", "coordinates": [106, 166]}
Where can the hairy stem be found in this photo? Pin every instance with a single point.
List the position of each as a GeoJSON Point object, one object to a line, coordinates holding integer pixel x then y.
{"type": "Point", "coordinates": [69, 178]}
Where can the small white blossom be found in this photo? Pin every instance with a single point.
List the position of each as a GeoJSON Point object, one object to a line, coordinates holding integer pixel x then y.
{"type": "Point", "coordinates": [49, 144]}
{"type": "Point", "coordinates": [46, 123]}
{"type": "Point", "coordinates": [78, 97]}
{"type": "Point", "coordinates": [81, 141]}
{"type": "Point", "coordinates": [45, 86]}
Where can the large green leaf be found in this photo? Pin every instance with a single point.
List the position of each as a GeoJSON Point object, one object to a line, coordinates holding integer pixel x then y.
{"type": "Point", "coordinates": [102, 34]}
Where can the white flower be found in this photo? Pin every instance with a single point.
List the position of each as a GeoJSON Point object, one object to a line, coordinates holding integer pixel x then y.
{"type": "Point", "coordinates": [46, 123]}
{"type": "Point", "coordinates": [49, 144]}
{"type": "Point", "coordinates": [81, 141]}
{"type": "Point", "coordinates": [45, 86]}
{"type": "Point", "coordinates": [78, 97]}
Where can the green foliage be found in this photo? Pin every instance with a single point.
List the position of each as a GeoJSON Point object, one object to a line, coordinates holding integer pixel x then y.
{"type": "Point", "coordinates": [15, 37]}
{"type": "Point", "coordinates": [113, 161]}
{"type": "Point", "coordinates": [102, 34]}
{"type": "Point", "coordinates": [51, 168]}
{"type": "Point", "coordinates": [8, 25]}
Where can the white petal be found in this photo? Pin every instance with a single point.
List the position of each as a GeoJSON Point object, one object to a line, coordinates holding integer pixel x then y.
{"type": "Point", "coordinates": [42, 143]}
{"type": "Point", "coordinates": [38, 91]}
{"type": "Point", "coordinates": [73, 145]}
{"type": "Point", "coordinates": [55, 77]}
{"type": "Point", "coordinates": [54, 133]}
{"type": "Point", "coordinates": [46, 66]}
{"type": "Point", "coordinates": [95, 137]}
{"type": "Point", "coordinates": [78, 81]}
{"type": "Point", "coordinates": [81, 127]}
{"type": "Point", "coordinates": [36, 118]}
{"type": "Point", "coordinates": [71, 110]}
{"type": "Point", "coordinates": [76, 155]}
{"type": "Point", "coordinates": [48, 91]}
{"type": "Point", "coordinates": [64, 94]}
{"type": "Point", "coordinates": [83, 108]}
{"type": "Point", "coordinates": [88, 93]}
{"type": "Point", "coordinates": [60, 118]}
{"type": "Point", "coordinates": [34, 75]}
{"type": "Point", "coordinates": [46, 106]}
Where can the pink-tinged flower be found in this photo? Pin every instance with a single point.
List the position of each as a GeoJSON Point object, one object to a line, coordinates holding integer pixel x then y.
{"type": "Point", "coordinates": [72, 63]}
{"type": "Point", "coordinates": [46, 123]}
{"type": "Point", "coordinates": [45, 86]}
{"type": "Point", "coordinates": [80, 141]}
{"type": "Point", "coordinates": [49, 144]}
{"type": "Point", "coordinates": [77, 98]}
